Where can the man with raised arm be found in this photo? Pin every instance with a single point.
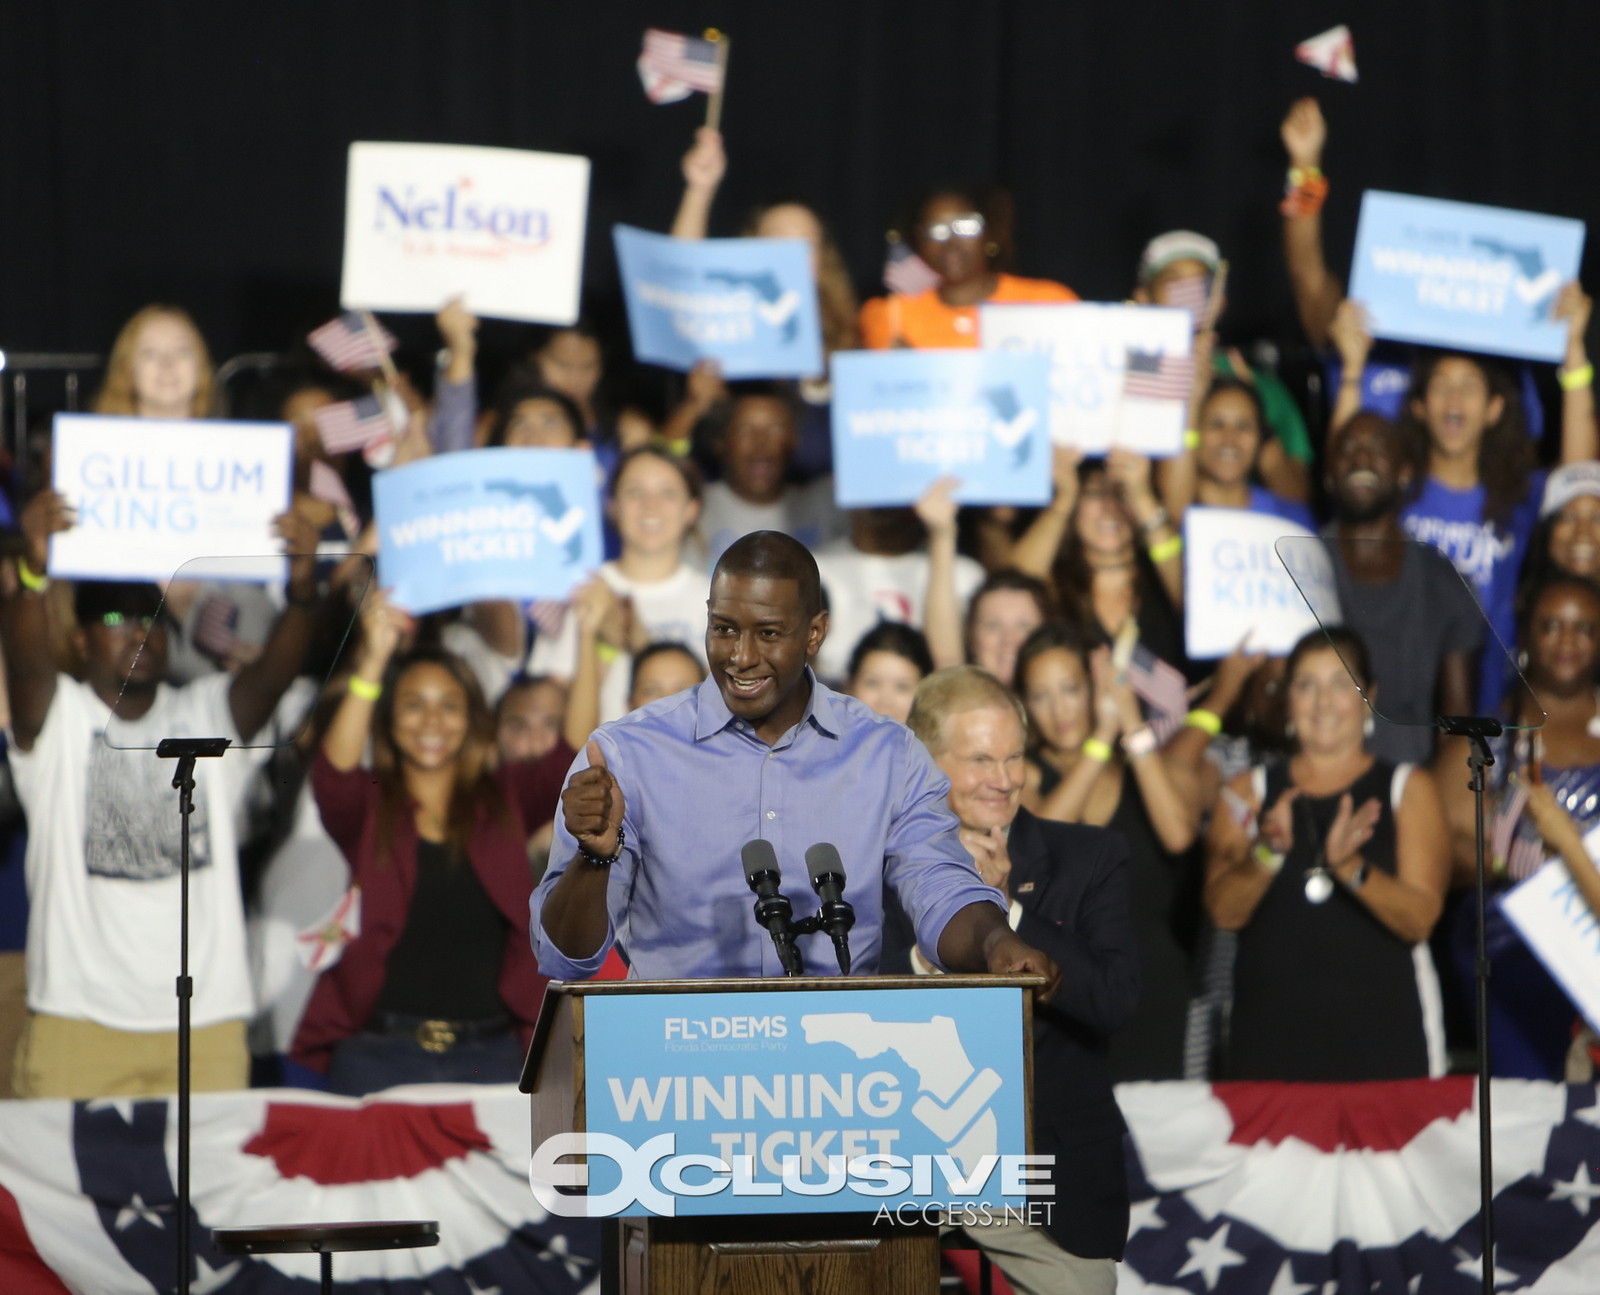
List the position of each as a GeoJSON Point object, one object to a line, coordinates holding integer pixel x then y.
{"type": "Point", "coordinates": [103, 828]}
{"type": "Point", "coordinates": [656, 812]}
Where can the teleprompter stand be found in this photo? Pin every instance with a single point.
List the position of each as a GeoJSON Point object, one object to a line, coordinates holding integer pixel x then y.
{"type": "Point", "coordinates": [1478, 731]}
{"type": "Point", "coordinates": [186, 750]}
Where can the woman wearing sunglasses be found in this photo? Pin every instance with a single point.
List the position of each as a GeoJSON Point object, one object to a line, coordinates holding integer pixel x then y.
{"type": "Point", "coordinates": [965, 240]}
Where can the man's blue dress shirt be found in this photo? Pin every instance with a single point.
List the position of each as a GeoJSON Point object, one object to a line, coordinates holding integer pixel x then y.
{"type": "Point", "coordinates": [698, 784]}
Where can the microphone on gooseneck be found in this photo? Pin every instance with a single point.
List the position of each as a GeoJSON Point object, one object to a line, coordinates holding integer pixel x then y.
{"type": "Point", "coordinates": [836, 917]}
{"type": "Point", "coordinates": [773, 911]}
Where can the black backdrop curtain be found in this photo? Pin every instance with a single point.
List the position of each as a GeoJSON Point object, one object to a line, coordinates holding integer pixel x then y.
{"type": "Point", "coordinates": [194, 152]}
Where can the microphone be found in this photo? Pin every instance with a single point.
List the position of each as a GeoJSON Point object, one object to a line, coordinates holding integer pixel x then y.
{"type": "Point", "coordinates": [836, 916]}
{"type": "Point", "coordinates": [773, 910]}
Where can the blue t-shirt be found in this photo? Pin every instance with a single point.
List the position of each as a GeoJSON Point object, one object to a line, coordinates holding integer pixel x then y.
{"type": "Point", "coordinates": [1453, 522]}
{"type": "Point", "coordinates": [1263, 500]}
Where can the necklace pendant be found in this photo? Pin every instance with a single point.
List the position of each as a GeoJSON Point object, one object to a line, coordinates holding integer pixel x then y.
{"type": "Point", "coordinates": [1319, 886]}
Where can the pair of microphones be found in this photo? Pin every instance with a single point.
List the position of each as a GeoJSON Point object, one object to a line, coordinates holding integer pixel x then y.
{"type": "Point", "coordinates": [774, 911]}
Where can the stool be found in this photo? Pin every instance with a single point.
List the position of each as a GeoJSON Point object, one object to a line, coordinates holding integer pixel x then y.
{"type": "Point", "coordinates": [324, 1239]}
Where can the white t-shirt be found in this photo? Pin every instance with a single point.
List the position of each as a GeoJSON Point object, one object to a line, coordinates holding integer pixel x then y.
{"type": "Point", "coordinates": [102, 861]}
{"type": "Point", "coordinates": [671, 610]}
{"type": "Point", "coordinates": [806, 512]}
{"type": "Point", "coordinates": [865, 588]}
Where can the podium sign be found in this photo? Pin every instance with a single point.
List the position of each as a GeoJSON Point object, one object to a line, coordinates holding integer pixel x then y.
{"type": "Point", "coordinates": [804, 1101]}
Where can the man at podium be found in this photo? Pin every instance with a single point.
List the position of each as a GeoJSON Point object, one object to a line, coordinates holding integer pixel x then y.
{"type": "Point", "coordinates": [657, 810]}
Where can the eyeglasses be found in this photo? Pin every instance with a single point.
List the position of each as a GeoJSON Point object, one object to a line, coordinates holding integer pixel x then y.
{"type": "Point", "coordinates": [968, 226]}
{"type": "Point", "coordinates": [117, 620]}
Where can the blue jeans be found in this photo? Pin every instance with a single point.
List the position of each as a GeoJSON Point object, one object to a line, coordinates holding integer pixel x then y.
{"type": "Point", "coordinates": [369, 1063]}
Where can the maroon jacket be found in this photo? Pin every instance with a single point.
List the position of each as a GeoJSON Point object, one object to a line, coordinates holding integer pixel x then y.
{"type": "Point", "coordinates": [346, 992]}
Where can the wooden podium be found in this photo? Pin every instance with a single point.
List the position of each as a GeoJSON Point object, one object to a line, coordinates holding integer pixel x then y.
{"type": "Point", "coordinates": [764, 1254]}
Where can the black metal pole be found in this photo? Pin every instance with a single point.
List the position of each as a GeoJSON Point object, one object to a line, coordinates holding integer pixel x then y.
{"type": "Point", "coordinates": [1478, 760]}
{"type": "Point", "coordinates": [183, 780]}
{"type": "Point", "coordinates": [185, 750]}
{"type": "Point", "coordinates": [1478, 731]}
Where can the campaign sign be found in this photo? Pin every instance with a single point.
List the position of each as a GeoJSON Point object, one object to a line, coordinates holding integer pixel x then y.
{"type": "Point", "coordinates": [1235, 582]}
{"type": "Point", "coordinates": [502, 523]}
{"type": "Point", "coordinates": [1552, 916]}
{"type": "Point", "coordinates": [1087, 344]}
{"type": "Point", "coordinates": [750, 304]}
{"type": "Point", "coordinates": [500, 226]}
{"type": "Point", "coordinates": [151, 494]}
{"type": "Point", "coordinates": [1456, 274]}
{"type": "Point", "coordinates": [902, 419]}
{"type": "Point", "coordinates": [819, 1101]}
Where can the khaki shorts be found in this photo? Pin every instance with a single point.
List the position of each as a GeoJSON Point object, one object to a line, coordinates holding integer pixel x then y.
{"type": "Point", "coordinates": [58, 1056]}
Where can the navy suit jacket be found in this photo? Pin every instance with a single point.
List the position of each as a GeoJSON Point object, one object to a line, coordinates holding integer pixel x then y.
{"type": "Point", "coordinates": [1072, 884]}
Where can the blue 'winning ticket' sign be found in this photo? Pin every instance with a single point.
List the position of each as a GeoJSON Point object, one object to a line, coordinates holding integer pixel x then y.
{"type": "Point", "coordinates": [503, 523]}
{"type": "Point", "coordinates": [750, 304]}
{"type": "Point", "coordinates": [1459, 275]}
{"type": "Point", "coordinates": [790, 1092]}
{"type": "Point", "coordinates": [902, 419]}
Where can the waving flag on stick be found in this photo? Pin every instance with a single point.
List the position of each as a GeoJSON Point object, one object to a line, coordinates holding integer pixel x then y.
{"type": "Point", "coordinates": [349, 425]}
{"type": "Point", "coordinates": [673, 66]}
{"type": "Point", "coordinates": [907, 273]}
{"type": "Point", "coordinates": [1333, 53]}
{"type": "Point", "coordinates": [353, 341]}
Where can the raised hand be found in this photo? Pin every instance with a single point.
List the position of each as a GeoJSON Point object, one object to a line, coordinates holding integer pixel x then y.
{"type": "Point", "coordinates": [1573, 305]}
{"type": "Point", "coordinates": [988, 851]}
{"type": "Point", "coordinates": [936, 509]}
{"type": "Point", "coordinates": [458, 326]}
{"type": "Point", "coordinates": [1351, 331]}
{"type": "Point", "coordinates": [1233, 673]}
{"type": "Point", "coordinates": [47, 514]}
{"type": "Point", "coordinates": [383, 626]}
{"type": "Point", "coordinates": [1277, 824]}
{"type": "Point", "coordinates": [1064, 460]}
{"type": "Point", "coordinates": [592, 806]}
{"type": "Point", "coordinates": [1130, 473]}
{"type": "Point", "coordinates": [300, 533]}
{"type": "Point", "coordinates": [1116, 705]}
{"type": "Point", "coordinates": [705, 163]}
{"type": "Point", "coordinates": [1304, 133]}
{"type": "Point", "coordinates": [1352, 829]}
{"type": "Point", "coordinates": [704, 385]}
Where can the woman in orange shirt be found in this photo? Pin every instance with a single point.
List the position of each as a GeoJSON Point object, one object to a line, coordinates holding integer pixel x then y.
{"type": "Point", "coordinates": [959, 242]}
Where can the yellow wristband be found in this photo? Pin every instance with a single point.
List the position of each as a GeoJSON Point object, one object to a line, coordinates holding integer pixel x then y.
{"type": "Point", "coordinates": [1205, 721]}
{"type": "Point", "coordinates": [1191, 439]}
{"type": "Point", "coordinates": [606, 653]}
{"type": "Point", "coordinates": [1299, 175]}
{"type": "Point", "coordinates": [1167, 548]}
{"type": "Point", "coordinates": [1576, 379]}
{"type": "Point", "coordinates": [365, 688]}
{"type": "Point", "coordinates": [1095, 749]}
{"type": "Point", "coordinates": [1267, 857]}
{"type": "Point", "coordinates": [31, 581]}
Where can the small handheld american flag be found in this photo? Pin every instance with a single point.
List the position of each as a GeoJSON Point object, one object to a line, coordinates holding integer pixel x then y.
{"type": "Point", "coordinates": [349, 425]}
{"type": "Point", "coordinates": [1191, 292]}
{"type": "Point", "coordinates": [1162, 688]}
{"type": "Point", "coordinates": [907, 273]}
{"type": "Point", "coordinates": [1520, 853]}
{"type": "Point", "coordinates": [1157, 376]}
{"type": "Point", "coordinates": [673, 66]}
{"type": "Point", "coordinates": [328, 486]}
{"type": "Point", "coordinates": [346, 343]}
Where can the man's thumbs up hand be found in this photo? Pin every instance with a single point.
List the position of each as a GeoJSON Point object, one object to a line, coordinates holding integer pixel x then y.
{"type": "Point", "coordinates": [592, 806]}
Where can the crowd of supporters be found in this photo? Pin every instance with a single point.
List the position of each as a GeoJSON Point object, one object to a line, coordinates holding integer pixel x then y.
{"type": "Point", "coordinates": [1298, 839]}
